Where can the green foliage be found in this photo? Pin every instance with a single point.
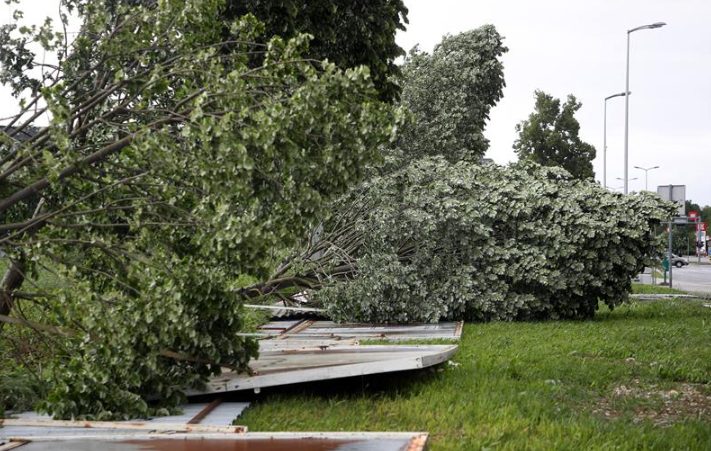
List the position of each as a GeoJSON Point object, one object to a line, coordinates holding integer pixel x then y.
{"type": "Point", "coordinates": [483, 242]}
{"type": "Point", "coordinates": [449, 94]}
{"type": "Point", "coordinates": [173, 173]}
{"type": "Point", "coordinates": [345, 32]}
{"type": "Point", "coordinates": [550, 137]}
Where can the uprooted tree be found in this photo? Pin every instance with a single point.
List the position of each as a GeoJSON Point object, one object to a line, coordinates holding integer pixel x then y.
{"type": "Point", "coordinates": [173, 171]}
{"type": "Point", "coordinates": [461, 240]}
{"type": "Point", "coordinates": [438, 235]}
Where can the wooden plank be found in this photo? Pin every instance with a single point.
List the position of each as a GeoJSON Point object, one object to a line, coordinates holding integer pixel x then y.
{"type": "Point", "coordinates": [12, 445]}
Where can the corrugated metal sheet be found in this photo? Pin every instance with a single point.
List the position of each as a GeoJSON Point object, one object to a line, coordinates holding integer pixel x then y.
{"type": "Point", "coordinates": [275, 441]}
{"type": "Point", "coordinates": [310, 329]}
{"type": "Point", "coordinates": [221, 415]}
{"type": "Point", "coordinates": [291, 366]}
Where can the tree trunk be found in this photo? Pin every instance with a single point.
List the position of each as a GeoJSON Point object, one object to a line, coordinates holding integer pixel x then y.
{"type": "Point", "coordinates": [15, 273]}
{"type": "Point", "coordinates": [11, 281]}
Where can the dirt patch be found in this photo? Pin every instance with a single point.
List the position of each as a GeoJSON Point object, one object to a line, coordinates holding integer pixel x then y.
{"type": "Point", "coordinates": [661, 406]}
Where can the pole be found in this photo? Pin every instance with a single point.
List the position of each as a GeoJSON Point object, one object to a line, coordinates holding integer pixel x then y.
{"type": "Point", "coordinates": [627, 97]}
{"type": "Point", "coordinates": [669, 255]}
{"type": "Point", "coordinates": [671, 222]}
{"type": "Point", "coordinates": [698, 239]}
{"type": "Point", "coordinates": [627, 111]}
{"type": "Point", "coordinates": [604, 149]}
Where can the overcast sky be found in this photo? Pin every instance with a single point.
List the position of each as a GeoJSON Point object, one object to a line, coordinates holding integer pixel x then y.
{"type": "Point", "coordinates": [578, 47]}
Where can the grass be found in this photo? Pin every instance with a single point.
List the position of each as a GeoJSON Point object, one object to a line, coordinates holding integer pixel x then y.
{"type": "Point", "coordinates": [638, 377]}
{"type": "Point", "coordinates": [639, 288]}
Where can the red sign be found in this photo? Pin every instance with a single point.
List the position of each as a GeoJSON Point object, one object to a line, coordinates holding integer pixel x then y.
{"type": "Point", "coordinates": [693, 215]}
{"type": "Point", "coordinates": [701, 227]}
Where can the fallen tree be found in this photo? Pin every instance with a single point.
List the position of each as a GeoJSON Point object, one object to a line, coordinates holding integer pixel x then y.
{"type": "Point", "coordinates": [172, 172]}
{"type": "Point", "coordinates": [438, 240]}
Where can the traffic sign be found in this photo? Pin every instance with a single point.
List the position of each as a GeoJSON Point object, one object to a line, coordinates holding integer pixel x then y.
{"type": "Point", "coordinates": [693, 215]}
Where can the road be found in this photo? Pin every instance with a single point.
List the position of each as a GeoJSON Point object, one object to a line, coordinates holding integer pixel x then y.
{"type": "Point", "coordinates": [694, 277]}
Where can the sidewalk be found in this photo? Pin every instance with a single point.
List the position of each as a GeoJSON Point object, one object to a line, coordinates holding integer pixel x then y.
{"type": "Point", "coordinates": [694, 260]}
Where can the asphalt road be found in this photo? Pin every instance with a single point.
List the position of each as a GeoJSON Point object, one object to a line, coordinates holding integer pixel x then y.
{"type": "Point", "coordinates": [694, 277]}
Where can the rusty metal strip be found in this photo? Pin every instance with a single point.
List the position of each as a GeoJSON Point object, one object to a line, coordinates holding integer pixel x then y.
{"type": "Point", "coordinates": [205, 411]}
{"type": "Point", "coordinates": [458, 329]}
{"type": "Point", "coordinates": [418, 443]}
{"type": "Point", "coordinates": [296, 328]}
{"type": "Point", "coordinates": [127, 425]}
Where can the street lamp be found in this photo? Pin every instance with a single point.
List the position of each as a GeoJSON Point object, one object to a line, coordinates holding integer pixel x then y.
{"type": "Point", "coordinates": [604, 138]}
{"type": "Point", "coordinates": [627, 89]}
{"type": "Point", "coordinates": [646, 173]}
{"type": "Point", "coordinates": [626, 182]}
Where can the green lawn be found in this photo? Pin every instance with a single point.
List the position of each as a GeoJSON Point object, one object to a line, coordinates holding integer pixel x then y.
{"type": "Point", "coordinates": [635, 378]}
{"type": "Point", "coordinates": [640, 288]}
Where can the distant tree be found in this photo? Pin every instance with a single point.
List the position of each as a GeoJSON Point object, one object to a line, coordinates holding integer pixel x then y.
{"type": "Point", "coordinates": [449, 94]}
{"type": "Point", "coordinates": [550, 137]}
{"type": "Point", "coordinates": [706, 214]}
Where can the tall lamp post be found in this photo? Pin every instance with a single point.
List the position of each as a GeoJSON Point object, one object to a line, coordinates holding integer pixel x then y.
{"type": "Point", "coordinates": [646, 173]}
{"type": "Point", "coordinates": [627, 89]}
{"type": "Point", "coordinates": [604, 138]}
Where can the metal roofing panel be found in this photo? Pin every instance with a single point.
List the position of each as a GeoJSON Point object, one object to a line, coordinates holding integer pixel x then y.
{"type": "Point", "coordinates": [267, 441]}
{"type": "Point", "coordinates": [306, 329]}
{"type": "Point", "coordinates": [290, 366]}
{"type": "Point", "coordinates": [221, 415]}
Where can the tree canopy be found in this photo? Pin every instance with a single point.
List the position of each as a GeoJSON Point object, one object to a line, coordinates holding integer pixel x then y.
{"type": "Point", "coordinates": [347, 33]}
{"type": "Point", "coordinates": [550, 136]}
{"type": "Point", "coordinates": [449, 94]}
